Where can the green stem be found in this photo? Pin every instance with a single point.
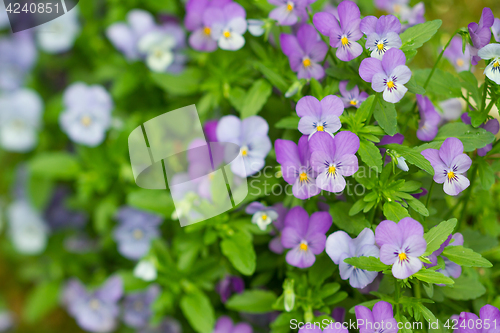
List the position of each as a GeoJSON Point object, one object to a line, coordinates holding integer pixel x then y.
{"type": "Point", "coordinates": [452, 209]}
{"type": "Point", "coordinates": [418, 292]}
{"type": "Point", "coordinates": [485, 92]}
{"type": "Point", "coordinates": [467, 197]}
{"type": "Point", "coordinates": [397, 292]}
{"type": "Point", "coordinates": [427, 202]}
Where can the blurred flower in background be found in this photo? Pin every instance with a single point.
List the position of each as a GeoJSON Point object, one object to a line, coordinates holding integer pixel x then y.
{"type": "Point", "coordinates": [17, 57]}
{"type": "Point", "coordinates": [137, 307]}
{"type": "Point", "coordinates": [59, 35]}
{"type": "Point", "coordinates": [28, 230]}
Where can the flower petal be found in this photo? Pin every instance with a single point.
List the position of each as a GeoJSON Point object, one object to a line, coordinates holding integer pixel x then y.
{"type": "Point", "coordinates": [461, 163]}
{"type": "Point", "coordinates": [395, 95]}
{"type": "Point", "coordinates": [308, 106]}
{"type": "Point", "coordinates": [406, 268]}
{"type": "Point", "coordinates": [457, 185]}
{"type": "Point", "coordinates": [300, 258]}
{"type": "Point", "coordinates": [387, 232]}
{"type": "Point", "coordinates": [326, 23]}
{"type": "Point", "coordinates": [319, 222]}
{"type": "Point", "coordinates": [392, 59]}
{"type": "Point", "coordinates": [451, 148]}
{"type": "Point", "coordinates": [369, 67]}
{"type": "Point", "coordinates": [409, 227]}
{"type": "Point", "coordinates": [345, 143]}
{"type": "Point", "coordinates": [337, 244]}
{"type": "Point", "coordinates": [382, 311]}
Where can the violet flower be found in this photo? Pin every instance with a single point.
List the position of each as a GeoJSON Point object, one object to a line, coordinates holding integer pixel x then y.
{"type": "Point", "coordinates": [351, 97]}
{"type": "Point", "coordinates": [59, 216]}
{"type": "Point", "coordinates": [495, 29]}
{"type": "Point", "coordinates": [296, 168]}
{"type": "Point", "coordinates": [210, 130]}
{"type": "Point", "coordinates": [251, 135]}
{"type": "Point", "coordinates": [382, 34]}
{"type": "Point", "coordinates": [137, 307]}
{"type": "Point", "coordinates": [275, 243]}
{"type": "Point", "coordinates": [491, 126]}
{"type": "Point", "coordinates": [333, 159]}
{"type": "Point", "coordinates": [95, 311]}
{"type": "Point", "coordinates": [316, 116]}
{"type": "Point", "coordinates": [225, 325]}
{"type": "Point", "coordinates": [480, 33]}
{"type": "Point", "coordinates": [450, 163]}
{"type": "Point", "coordinates": [491, 52]}
{"type": "Point", "coordinates": [343, 36]}
{"type": "Point", "coordinates": [460, 60]}
{"type": "Point", "coordinates": [381, 316]}
{"type": "Point", "coordinates": [228, 286]}
{"type": "Point", "coordinates": [135, 231]}
{"type": "Point", "coordinates": [305, 52]}
{"type": "Point", "coordinates": [450, 269]}
{"type": "Point", "coordinates": [451, 109]}
{"type": "Point", "coordinates": [340, 246]}
{"type": "Point", "coordinates": [262, 216]}
{"type": "Point", "coordinates": [401, 244]}
{"type": "Point", "coordinates": [429, 119]}
{"type": "Point", "coordinates": [199, 23]}
{"type": "Point", "coordinates": [288, 11]}
{"type": "Point", "coordinates": [412, 15]}
{"type": "Point", "coordinates": [304, 236]}
{"type": "Point", "coordinates": [388, 75]}
{"type": "Point", "coordinates": [391, 6]}
{"type": "Point", "coordinates": [488, 314]}
{"type": "Point", "coordinates": [421, 194]}
{"type": "Point", "coordinates": [18, 55]}
{"type": "Point", "coordinates": [227, 25]}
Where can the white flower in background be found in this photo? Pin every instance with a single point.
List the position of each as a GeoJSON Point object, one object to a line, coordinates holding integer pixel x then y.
{"type": "Point", "coordinates": [264, 218]}
{"type": "Point", "coordinates": [28, 231]}
{"type": "Point", "coordinates": [256, 27]}
{"type": "Point", "coordinates": [20, 119]}
{"type": "Point", "coordinates": [157, 46]}
{"type": "Point", "coordinates": [87, 115]}
{"type": "Point", "coordinates": [59, 35]}
{"type": "Point", "coordinates": [492, 71]}
{"type": "Point", "coordinates": [145, 270]}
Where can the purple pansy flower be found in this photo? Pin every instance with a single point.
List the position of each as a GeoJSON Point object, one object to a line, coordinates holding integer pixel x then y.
{"type": "Point", "coordinates": [451, 109]}
{"type": "Point", "coordinates": [450, 163]}
{"type": "Point", "coordinates": [495, 29]}
{"type": "Point", "coordinates": [460, 60]}
{"type": "Point", "coordinates": [382, 34]}
{"type": "Point", "coordinates": [450, 268]}
{"type": "Point", "coordinates": [491, 52]}
{"type": "Point", "coordinates": [480, 33]}
{"type": "Point", "coordinates": [275, 243]}
{"type": "Point", "coordinates": [229, 285]}
{"type": "Point", "coordinates": [225, 325]}
{"type": "Point", "coordinates": [412, 15]}
{"type": "Point", "coordinates": [18, 55]}
{"type": "Point", "coordinates": [343, 36]}
{"type": "Point", "coordinates": [488, 314]}
{"type": "Point", "coordinates": [135, 231]}
{"type": "Point", "coordinates": [351, 97]}
{"type": "Point", "coordinates": [296, 168]}
{"type": "Point", "coordinates": [388, 75]}
{"type": "Point", "coordinates": [59, 216]}
{"type": "Point", "coordinates": [227, 25]}
{"type": "Point", "coordinates": [304, 236]}
{"type": "Point", "coordinates": [381, 316]}
{"type": "Point", "coordinates": [137, 307]}
{"type": "Point", "coordinates": [491, 126]}
{"type": "Point", "coordinates": [95, 311]}
{"type": "Point", "coordinates": [262, 216]}
{"type": "Point", "coordinates": [429, 119]}
{"type": "Point", "coordinates": [421, 194]}
{"type": "Point", "coordinates": [250, 134]}
{"type": "Point", "coordinates": [340, 246]}
{"type": "Point", "coordinates": [400, 246]}
{"type": "Point", "coordinates": [288, 11]}
{"type": "Point", "coordinates": [316, 116]}
{"type": "Point", "coordinates": [333, 159]}
{"type": "Point", "coordinates": [305, 52]}
{"type": "Point", "coordinates": [210, 130]}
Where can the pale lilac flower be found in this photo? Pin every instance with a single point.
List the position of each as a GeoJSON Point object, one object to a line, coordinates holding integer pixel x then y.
{"type": "Point", "coordinates": [333, 159]}
{"type": "Point", "coordinates": [491, 52]}
{"type": "Point", "coordinates": [305, 52]}
{"type": "Point", "coordinates": [135, 231]}
{"type": "Point", "coordinates": [228, 286]}
{"type": "Point", "coordinates": [319, 116]}
{"type": "Point", "coordinates": [480, 34]}
{"type": "Point", "coordinates": [59, 35]}
{"type": "Point", "coordinates": [275, 243]}
{"type": "Point", "coordinates": [392, 6]}
{"type": "Point", "coordinates": [296, 168]}
{"type": "Point", "coordinates": [351, 97]}
{"type": "Point", "coordinates": [452, 109]}
{"type": "Point", "coordinates": [262, 216]}
{"type": "Point", "coordinates": [400, 246]}
{"type": "Point", "coordinates": [429, 119]}
{"type": "Point", "coordinates": [227, 25]}
{"type": "Point", "coordinates": [388, 75]}
{"type": "Point", "coordinates": [460, 60]}
{"type": "Point", "coordinates": [27, 229]}
{"type": "Point", "coordinates": [18, 55]}
{"type": "Point", "coordinates": [450, 268]}
{"type": "Point", "coordinates": [95, 311]}
{"type": "Point", "coordinates": [381, 33]}
{"type": "Point", "coordinates": [59, 216]}
{"type": "Point", "coordinates": [288, 11]}
{"type": "Point", "coordinates": [137, 307]}
{"type": "Point", "coordinates": [7, 318]}
{"type": "Point", "coordinates": [87, 113]}
{"type": "Point", "coordinates": [381, 316]}
{"type": "Point", "coordinates": [495, 29]}
{"type": "Point", "coordinates": [200, 24]}
{"type": "Point", "coordinates": [256, 27]}
{"type": "Point", "coordinates": [210, 130]}
{"type": "Point", "coordinates": [304, 236]}
{"type": "Point", "coordinates": [450, 163]}
{"type": "Point", "coordinates": [492, 126]}
{"type": "Point", "coordinates": [343, 36]}
{"type": "Point", "coordinates": [168, 325]}
{"type": "Point", "coordinates": [412, 15]}
{"type": "Point", "coordinates": [20, 120]}
{"type": "Point", "coordinates": [250, 134]}
{"type": "Point", "coordinates": [225, 325]}
{"type": "Point", "coordinates": [488, 314]}
{"type": "Point", "coordinates": [340, 246]}
{"type": "Point", "coordinates": [145, 270]}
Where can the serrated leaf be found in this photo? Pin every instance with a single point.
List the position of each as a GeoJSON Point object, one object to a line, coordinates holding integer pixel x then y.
{"type": "Point", "coordinates": [438, 235]}
{"type": "Point", "coordinates": [486, 174]}
{"type": "Point", "coordinates": [465, 257]}
{"type": "Point", "coordinates": [371, 264]}
{"type": "Point", "coordinates": [370, 154]}
{"type": "Point", "coordinates": [252, 301]}
{"type": "Point", "coordinates": [365, 109]}
{"type": "Point", "coordinates": [386, 116]}
{"type": "Point", "coordinates": [418, 206]}
{"type": "Point", "coordinates": [394, 211]}
{"type": "Point", "coordinates": [198, 311]}
{"type": "Point", "coordinates": [441, 84]}
{"type": "Point", "coordinates": [288, 123]}
{"type": "Point", "coordinates": [255, 98]}
{"type": "Point", "coordinates": [414, 88]}
{"type": "Point", "coordinates": [431, 276]}
{"type": "Point", "coordinates": [465, 288]}
{"type": "Point", "coordinates": [240, 252]}
{"type": "Point", "coordinates": [412, 156]}
{"type": "Point", "coordinates": [185, 83]}
{"type": "Point", "coordinates": [414, 37]}
{"type": "Point", "coordinates": [472, 138]}
{"type": "Point", "coordinates": [351, 224]}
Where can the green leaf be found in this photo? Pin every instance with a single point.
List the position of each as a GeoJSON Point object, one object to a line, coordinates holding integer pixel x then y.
{"type": "Point", "coordinates": [288, 123]}
{"type": "Point", "coordinates": [276, 80]}
{"type": "Point", "coordinates": [152, 200]}
{"type": "Point", "coordinates": [478, 242]}
{"type": "Point", "coordinates": [413, 87]}
{"type": "Point", "coordinates": [418, 206]}
{"type": "Point", "coordinates": [464, 289]}
{"type": "Point", "coordinates": [237, 98]}
{"type": "Point", "coordinates": [357, 207]}
{"type": "Point", "coordinates": [252, 301]}
{"type": "Point", "coordinates": [42, 300]}
{"type": "Point", "coordinates": [386, 116]}
{"type": "Point", "coordinates": [329, 289]}
{"type": "Point", "coordinates": [365, 109]}
{"type": "Point", "coordinates": [351, 224]}
{"type": "Point", "coordinates": [438, 235]}
{"type": "Point", "coordinates": [372, 264]}
{"type": "Point", "coordinates": [426, 313]}
{"type": "Point", "coordinates": [55, 165]}
{"type": "Point", "coordinates": [410, 186]}
{"type": "Point", "coordinates": [486, 174]}
{"type": "Point", "coordinates": [186, 83]}
{"type": "Point", "coordinates": [198, 311]}
{"type": "Point", "coordinates": [240, 252]}
{"type": "Point", "coordinates": [431, 276]}
{"type": "Point", "coordinates": [255, 98]}
{"type": "Point", "coordinates": [322, 269]}
{"type": "Point", "coordinates": [465, 257]}
{"type": "Point", "coordinates": [394, 211]}
{"type": "Point", "coordinates": [442, 83]}
{"type": "Point", "coordinates": [472, 138]}
{"type": "Point", "coordinates": [370, 154]}
{"type": "Point", "coordinates": [412, 156]}
{"type": "Point", "coordinates": [471, 85]}
{"type": "Point", "coordinates": [414, 37]}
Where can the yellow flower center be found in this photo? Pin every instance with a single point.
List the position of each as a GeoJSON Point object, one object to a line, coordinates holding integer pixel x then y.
{"type": "Point", "coordinates": [303, 246]}
{"type": "Point", "coordinates": [460, 62]}
{"type": "Point", "coordinates": [86, 121]}
{"type": "Point", "coordinates": [397, 8]}
{"type": "Point", "coordinates": [226, 34]}
{"type": "Point", "coordinates": [306, 62]}
{"type": "Point", "coordinates": [95, 304]}
{"type": "Point", "coordinates": [390, 84]}
{"type": "Point", "coordinates": [331, 169]}
{"type": "Point", "coordinates": [380, 46]}
{"type": "Point", "coordinates": [354, 102]}
{"type": "Point", "coordinates": [303, 177]}
{"type": "Point", "coordinates": [496, 64]}
{"type": "Point", "coordinates": [289, 6]}
{"type": "Point", "coordinates": [264, 217]}
{"type": "Point", "coordinates": [138, 234]}
{"type": "Point", "coordinates": [207, 30]}
{"type": "Point", "coordinates": [451, 175]}
{"type": "Point", "coordinates": [402, 256]}
{"type": "Point", "coordinates": [244, 151]}
{"type": "Point", "coordinates": [320, 128]}
{"type": "Point", "coordinates": [344, 41]}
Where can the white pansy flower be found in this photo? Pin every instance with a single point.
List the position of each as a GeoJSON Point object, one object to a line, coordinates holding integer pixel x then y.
{"type": "Point", "coordinates": [157, 46]}
{"type": "Point", "coordinates": [28, 231]}
{"type": "Point", "coordinates": [59, 35]}
{"type": "Point", "coordinates": [492, 71]}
